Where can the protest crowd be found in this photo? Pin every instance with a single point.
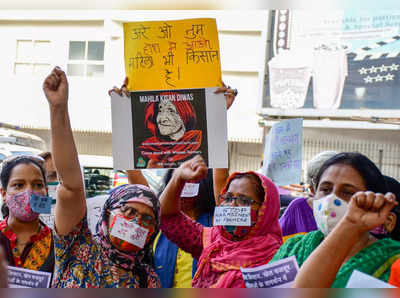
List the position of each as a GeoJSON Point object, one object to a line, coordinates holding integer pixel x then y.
{"type": "Point", "coordinates": [346, 220]}
{"type": "Point", "coordinates": [205, 226]}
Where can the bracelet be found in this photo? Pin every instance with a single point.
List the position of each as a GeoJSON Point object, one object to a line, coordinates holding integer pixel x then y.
{"type": "Point", "coordinates": [235, 92]}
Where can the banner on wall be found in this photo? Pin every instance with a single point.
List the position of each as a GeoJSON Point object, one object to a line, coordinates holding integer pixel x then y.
{"type": "Point", "coordinates": [353, 57]}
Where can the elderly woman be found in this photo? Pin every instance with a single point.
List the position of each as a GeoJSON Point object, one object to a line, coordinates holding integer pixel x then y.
{"type": "Point", "coordinates": [349, 203]}
{"type": "Point", "coordinates": [26, 241]}
{"type": "Point", "coordinates": [223, 250]}
{"type": "Point", "coordinates": [173, 126]}
{"type": "Point", "coordinates": [119, 255]}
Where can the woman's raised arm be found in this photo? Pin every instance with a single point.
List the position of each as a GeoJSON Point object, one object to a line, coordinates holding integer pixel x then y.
{"type": "Point", "coordinates": [71, 204]}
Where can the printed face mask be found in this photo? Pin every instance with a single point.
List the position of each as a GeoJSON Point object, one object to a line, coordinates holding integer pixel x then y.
{"type": "Point", "coordinates": [129, 235]}
{"type": "Point", "coordinates": [328, 211]}
{"type": "Point", "coordinates": [242, 231]}
{"type": "Point", "coordinates": [20, 207]}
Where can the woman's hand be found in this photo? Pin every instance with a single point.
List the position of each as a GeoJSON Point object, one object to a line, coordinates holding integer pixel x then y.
{"type": "Point", "coordinates": [122, 90]}
{"type": "Point", "coordinates": [55, 87]}
{"type": "Point", "coordinates": [230, 94]}
{"type": "Point", "coordinates": [368, 210]}
{"type": "Point", "coordinates": [192, 170]}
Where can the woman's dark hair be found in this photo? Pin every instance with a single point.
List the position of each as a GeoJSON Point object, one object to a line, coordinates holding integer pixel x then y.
{"type": "Point", "coordinates": [256, 181]}
{"type": "Point", "coordinates": [394, 186]}
{"type": "Point", "coordinates": [206, 199]}
{"type": "Point", "coordinates": [9, 164]}
{"type": "Point", "coordinates": [373, 178]}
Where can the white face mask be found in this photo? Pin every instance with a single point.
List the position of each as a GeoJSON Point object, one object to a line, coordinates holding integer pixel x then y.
{"type": "Point", "coordinates": [328, 211]}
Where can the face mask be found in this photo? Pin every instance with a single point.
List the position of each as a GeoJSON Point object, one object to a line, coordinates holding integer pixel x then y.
{"type": "Point", "coordinates": [20, 207]}
{"type": "Point", "coordinates": [328, 211]}
{"type": "Point", "coordinates": [129, 235]}
{"type": "Point", "coordinates": [242, 231]}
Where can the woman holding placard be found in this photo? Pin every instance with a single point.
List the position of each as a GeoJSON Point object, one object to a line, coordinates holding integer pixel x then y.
{"type": "Point", "coordinates": [222, 250]}
{"type": "Point", "coordinates": [351, 200]}
{"type": "Point", "coordinates": [119, 255]}
{"type": "Point", "coordinates": [26, 241]}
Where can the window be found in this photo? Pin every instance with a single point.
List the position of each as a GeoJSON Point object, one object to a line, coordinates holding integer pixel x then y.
{"type": "Point", "coordinates": [32, 57]}
{"type": "Point", "coordinates": [86, 58]}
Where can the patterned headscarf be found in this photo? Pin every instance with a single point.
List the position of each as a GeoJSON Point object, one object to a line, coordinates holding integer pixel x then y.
{"type": "Point", "coordinates": [140, 262]}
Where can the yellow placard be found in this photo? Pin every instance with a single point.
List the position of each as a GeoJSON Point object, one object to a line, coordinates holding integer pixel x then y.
{"type": "Point", "coordinates": [165, 55]}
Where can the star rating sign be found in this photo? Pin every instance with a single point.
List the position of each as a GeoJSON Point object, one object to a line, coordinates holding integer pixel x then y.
{"type": "Point", "coordinates": [379, 78]}
{"type": "Point", "coordinates": [363, 71]}
{"type": "Point", "coordinates": [384, 68]}
{"type": "Point", "coordinates": [373, 69]}
{"type": "Point", "coordinates": [394, 67]}
{"type": "Point", "coordinates": [368, 79]}
{"type": "Point", "coordinates": [389, 77]}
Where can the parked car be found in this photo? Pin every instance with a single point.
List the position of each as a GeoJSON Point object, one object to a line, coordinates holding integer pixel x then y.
{"type": "Point", "coordinates": [100, 177]}
{"type": "Point", "coordinates": [15, 142]}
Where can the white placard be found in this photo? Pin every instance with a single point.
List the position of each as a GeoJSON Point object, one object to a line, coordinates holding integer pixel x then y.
{"type": "Point", "coordinates": [130, 232]}
{"type": "Point", "coordinates": [279, 274]}
{"type": "Point", "coordinates": [25, 278]}
{"type": "Point", "coordinates": [190, 190]}
{"type": "Point", "coordinates": [135, 144]}
{"type": "Point", "coordinates": [232, 216]}
{"type": "Point", "coordinates": [94, 207]}
{"type": "Point", "coordinates": [361, 280]}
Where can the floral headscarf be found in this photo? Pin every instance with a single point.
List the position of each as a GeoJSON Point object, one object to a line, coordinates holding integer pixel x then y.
{"type": "Point", "coordinates": [140, 262]}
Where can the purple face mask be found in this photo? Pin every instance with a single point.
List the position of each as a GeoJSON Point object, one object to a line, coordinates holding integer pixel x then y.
{"type": "Point", "coordinates": [20, 207]}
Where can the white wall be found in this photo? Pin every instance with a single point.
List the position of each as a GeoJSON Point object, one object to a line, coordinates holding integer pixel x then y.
{"type": "Point", "coordinates": [242, 43]}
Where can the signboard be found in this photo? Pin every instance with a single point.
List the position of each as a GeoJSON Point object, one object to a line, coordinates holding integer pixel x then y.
{"type": "Point", "coordinates": [370, 41]}
{"type": "Point", "coordinates": [162, 129]}
{"type": "Point", "coordinates": [163, 55]}
{"type": "Point", "coordinates": [279, 274]}
{"type": "Point", "coordinates": [24, 278]}
{"type": "Point", "coordinates": [283, 152]}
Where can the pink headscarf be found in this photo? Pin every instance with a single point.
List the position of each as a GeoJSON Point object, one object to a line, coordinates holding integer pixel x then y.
{"type": "Point", "coordinates": [221, 258]}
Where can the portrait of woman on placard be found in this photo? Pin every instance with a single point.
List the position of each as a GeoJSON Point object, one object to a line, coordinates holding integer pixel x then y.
{"type": "Point", "coordinates": [172, 124]}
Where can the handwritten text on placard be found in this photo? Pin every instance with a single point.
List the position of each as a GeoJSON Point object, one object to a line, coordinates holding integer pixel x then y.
{"type": "Point", "coordinates": [130, 232]}
{"type": "Point", "coordinates": [232, 216]}
{"type": "Point", "coordinates": [283, 152]}
{"type": "Point", "coordinates": [161, 55]}
{"type": "Point", "coordinates": [190, 190]}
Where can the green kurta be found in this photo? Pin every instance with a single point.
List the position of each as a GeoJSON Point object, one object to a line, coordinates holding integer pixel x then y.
{"type": "Point", "coordinates": [374, 260]}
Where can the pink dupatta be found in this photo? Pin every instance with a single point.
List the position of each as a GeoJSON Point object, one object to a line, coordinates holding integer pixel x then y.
{"type": "Point", "coordinates": [221, 259]}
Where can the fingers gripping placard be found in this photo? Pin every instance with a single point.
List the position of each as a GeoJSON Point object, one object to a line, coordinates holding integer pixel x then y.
{"type": "Point", "coordinates": [163, 55]}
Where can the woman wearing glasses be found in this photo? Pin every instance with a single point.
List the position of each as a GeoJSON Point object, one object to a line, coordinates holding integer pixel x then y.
{"type": "Point", "coordinates": [26, 241]}
{"type": "Point", "coordinates": [119, 255]}
{"type": "Point", "coordinates": [223, 250]}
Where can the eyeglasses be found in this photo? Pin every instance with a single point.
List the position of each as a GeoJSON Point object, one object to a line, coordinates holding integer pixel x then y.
{"type": "Point", "coordinates": [131, 214]}
{"type": "Point", "coordinates": [227, 199]}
